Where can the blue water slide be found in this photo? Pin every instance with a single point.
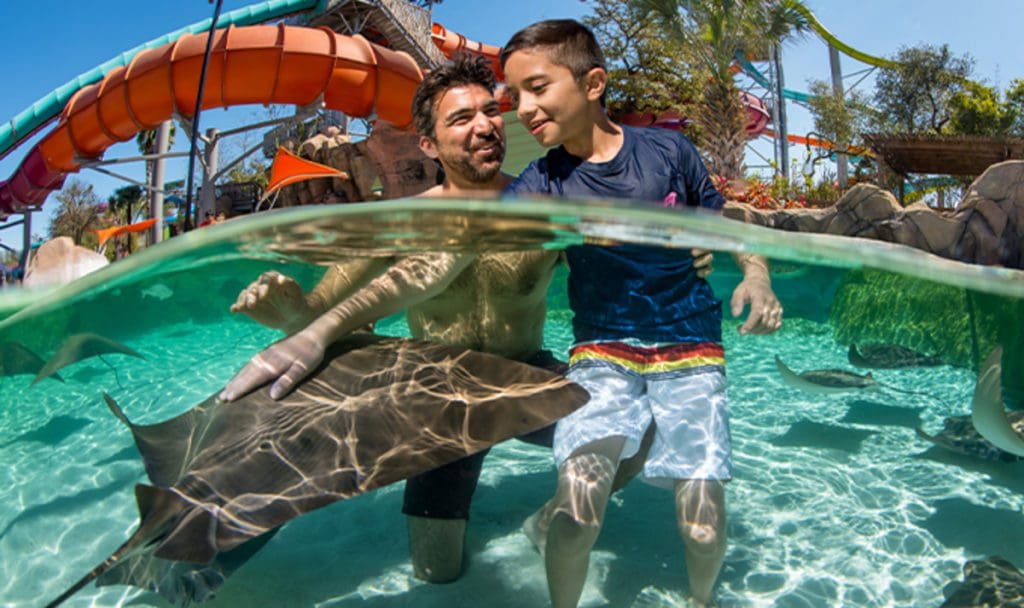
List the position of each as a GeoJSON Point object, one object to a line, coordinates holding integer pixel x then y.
{"type": "Point", "coordinates": [40, 113]}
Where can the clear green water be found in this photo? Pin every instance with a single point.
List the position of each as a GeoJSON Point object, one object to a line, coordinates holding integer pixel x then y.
{"type": "Point", "coordinates": [836, 501]}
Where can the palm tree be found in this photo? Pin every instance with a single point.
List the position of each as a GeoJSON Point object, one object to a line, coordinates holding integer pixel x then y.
{"type": "Point", "coordinates": [715, 30]}
{"type": "Point", "coordinates": [146, 141]}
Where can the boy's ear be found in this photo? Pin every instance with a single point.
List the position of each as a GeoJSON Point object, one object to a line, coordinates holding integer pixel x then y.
{"type": "Point", "coordinates": [428, 146]}
{"type": "Point", "coordinates": [596, 81]}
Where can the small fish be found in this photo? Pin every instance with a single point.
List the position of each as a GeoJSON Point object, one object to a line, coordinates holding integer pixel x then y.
{"type": "Point", "coordinates": [889, 356]}
{"type": "Point", "coordinates": [159, 291]}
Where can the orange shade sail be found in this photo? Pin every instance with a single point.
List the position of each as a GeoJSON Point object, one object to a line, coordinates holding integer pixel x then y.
{"type": "Point", "coordinates": [106, 234]}
{"type": "Point", "coordinates": [289, 169]}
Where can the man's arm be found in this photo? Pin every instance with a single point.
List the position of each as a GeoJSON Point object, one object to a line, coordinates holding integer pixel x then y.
{"type": "Point", "coordinates": [409, 282]}
{"type": "Point", "coordinates": [756, 289]}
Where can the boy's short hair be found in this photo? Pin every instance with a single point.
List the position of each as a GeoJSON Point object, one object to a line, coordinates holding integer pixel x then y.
{"type": "Point", "coordinates": [566, 42]}
{"type": "Point", "coordinates": [465, 69]}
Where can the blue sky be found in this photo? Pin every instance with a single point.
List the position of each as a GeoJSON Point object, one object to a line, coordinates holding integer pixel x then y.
{"type": "Point", "coordinates": [46, 44]}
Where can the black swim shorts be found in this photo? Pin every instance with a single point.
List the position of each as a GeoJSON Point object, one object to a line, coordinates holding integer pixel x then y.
{"type": "Point", "coordinates": [447, 491]}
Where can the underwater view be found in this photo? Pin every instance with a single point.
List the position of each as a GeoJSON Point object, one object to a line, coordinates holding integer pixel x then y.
{"type": "Point", "coordinates": [858, 481]}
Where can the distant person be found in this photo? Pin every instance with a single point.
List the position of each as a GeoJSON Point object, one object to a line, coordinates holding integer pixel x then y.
{"type": "Point", "coordinates": [207, 220]}
{"type": "Point", "coordinates": [648, 343]}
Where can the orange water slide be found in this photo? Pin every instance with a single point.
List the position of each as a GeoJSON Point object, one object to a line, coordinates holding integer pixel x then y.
{"type": "Point", "coordinates": [255, 64]}
{"type": "Point", "coordinates": [451, 43]}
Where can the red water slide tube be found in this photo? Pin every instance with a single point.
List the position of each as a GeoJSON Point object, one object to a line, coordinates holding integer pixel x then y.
{"type": "Point", "coordinates": [254, 64]}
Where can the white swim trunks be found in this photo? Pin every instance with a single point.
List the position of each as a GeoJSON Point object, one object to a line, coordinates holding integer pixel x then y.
{"type": "Point", "coordinates": [681, 388]}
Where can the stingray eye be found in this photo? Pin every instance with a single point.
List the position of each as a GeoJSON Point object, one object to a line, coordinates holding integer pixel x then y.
{"type": "Point", "coordinates": [266, 446]}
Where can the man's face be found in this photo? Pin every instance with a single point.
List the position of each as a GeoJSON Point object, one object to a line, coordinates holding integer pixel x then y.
{"type": "Point", "coordinates": [550, 102]}
{"type": "Point", "coordinates": [469, 135]}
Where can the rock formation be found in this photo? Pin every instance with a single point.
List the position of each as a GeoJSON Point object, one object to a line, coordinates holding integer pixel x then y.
{"type": "Point", "coordinates": [987, 227]}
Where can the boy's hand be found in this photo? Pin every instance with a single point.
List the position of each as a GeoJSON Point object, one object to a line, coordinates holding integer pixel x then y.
{"type": "Point", "coordinates": [765, 310]}
{"type": "Point", "coordinates": [285, 363]}
{"type": "Point", "coordinates": [275, 301]}
{"type": "Point", "coordinates": [702, 260]}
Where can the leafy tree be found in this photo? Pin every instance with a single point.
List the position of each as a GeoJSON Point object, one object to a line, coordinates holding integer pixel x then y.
{"type": "Point", "coordinates": [838, 119]}
{"type": "Point", "coordinates": [713, 31]}
{"type": "Point", "coordinates": [915, 96]}
{"type": "Point", "coordinates": [981, 110]}
{"type": "Point", "coordinates": [647, 71]}
{"type": "Point", "coordinates": [78, 212]}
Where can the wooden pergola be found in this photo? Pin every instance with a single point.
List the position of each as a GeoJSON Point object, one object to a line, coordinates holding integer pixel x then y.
{"type": "Point", "coordinates": [959, 155]}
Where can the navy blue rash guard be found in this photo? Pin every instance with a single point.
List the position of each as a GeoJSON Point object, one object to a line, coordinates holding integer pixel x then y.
{"type": "Point", "coordinates": [634, 291]}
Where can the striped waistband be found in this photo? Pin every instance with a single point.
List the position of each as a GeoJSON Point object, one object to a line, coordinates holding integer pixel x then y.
{"type": "Point", "coordinates": [649, 359]}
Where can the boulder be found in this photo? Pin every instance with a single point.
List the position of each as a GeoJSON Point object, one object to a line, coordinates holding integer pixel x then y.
{"type": "Point", "coordinates": [59, 261]}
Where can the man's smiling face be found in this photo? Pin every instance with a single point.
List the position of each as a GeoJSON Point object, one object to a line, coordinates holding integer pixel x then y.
{"type": "Point", "coordinates": [469, 134]}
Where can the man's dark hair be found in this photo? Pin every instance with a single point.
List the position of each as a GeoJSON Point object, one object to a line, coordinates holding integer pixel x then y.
{"type": "Point", "coordinates": [465, 69]}
{"type": "Point", "coordinates": [566, 42]}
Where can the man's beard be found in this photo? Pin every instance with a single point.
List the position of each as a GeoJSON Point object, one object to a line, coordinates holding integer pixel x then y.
{"type": "Point", "coordinates": [474, 173]}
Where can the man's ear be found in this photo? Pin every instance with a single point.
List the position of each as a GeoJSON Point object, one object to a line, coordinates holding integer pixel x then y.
{"type": "Point", "coordinates": [596, 81]}
{"type": "Point", "coordinates": [428, 146]}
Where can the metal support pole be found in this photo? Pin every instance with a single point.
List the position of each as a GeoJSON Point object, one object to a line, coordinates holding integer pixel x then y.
{"type": "Point", "coordinates": [27, 242]}
{"type": "Point", "coordinates": [208, 195]}
{"type": "Point", "coordinates": [842, 167]}
{"type": "Point", "coordinates": [156, 195]}
{"type": "Point", "coordinates": [781, 127]}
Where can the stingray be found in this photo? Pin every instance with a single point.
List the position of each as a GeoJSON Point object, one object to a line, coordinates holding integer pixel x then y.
{"type": "Point", "coordinates": [959, 435]}
{"type": "Point", "coordinates": [987, 410]}
{"type": "Point", "coordinates": [990, 582]}
{"type": "Point", "coordinates": [376, 411]}
{"type": "Point", "coordinates": [889, 356]}
{"type": "Point", "coordinates": [16, 358]}
{"type": "Point", "coordinates": [825, 381]}
{"type": "Point", "coordinates": [834, 381]}
{"type": "Point", "coordinates": [82, 346]}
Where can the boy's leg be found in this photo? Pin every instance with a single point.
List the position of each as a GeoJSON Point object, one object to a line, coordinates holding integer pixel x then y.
{"type": "Point", "coordinates": [584, 485]}
{"type": "Point", "coordinates": [700, 513]}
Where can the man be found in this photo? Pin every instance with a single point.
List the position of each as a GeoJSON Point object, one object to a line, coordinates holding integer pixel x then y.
{"type": "Point", "coordinates": [494, 303]}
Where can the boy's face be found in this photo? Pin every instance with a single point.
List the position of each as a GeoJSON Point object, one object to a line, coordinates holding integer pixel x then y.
{"type": "Point", "coordinates": [469, 135]}
{"type": "Point", "coordinates": [550, 102]}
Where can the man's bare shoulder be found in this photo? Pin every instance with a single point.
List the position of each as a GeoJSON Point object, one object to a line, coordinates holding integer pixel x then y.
{"type": "Point", "coordinates": [484, 191]}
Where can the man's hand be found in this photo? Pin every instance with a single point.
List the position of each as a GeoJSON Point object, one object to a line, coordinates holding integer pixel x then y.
{"type": "Point", "coordinates": [702, 260]}
{"type": "Point", "coordinates": [285, 363]}
{"type": "Point", "coordinates": [275, 301]}
{"type": "Point", "coordinates": [765, 310]}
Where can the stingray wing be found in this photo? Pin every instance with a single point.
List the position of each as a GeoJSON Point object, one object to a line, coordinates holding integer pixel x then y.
{"type": "Point", "coordinates": [987, 411]}
{"type": "Point", "coordinates": [16, 358]}
{"type": "Point", "coordinates": [82, 346]}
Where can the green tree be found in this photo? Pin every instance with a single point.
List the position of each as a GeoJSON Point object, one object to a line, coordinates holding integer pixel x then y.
{"type": "Point", "coordinates": [982, 110]}
{"type": "Point", "coordinates": [838, 119]}
{"type": "Point", "coordinates": [713, 31]}
{"type": "Point", "coordinates": [647, 71]}
{"type": "Point", "coordinates": [77, 213]}
{"type": "Point", "coordinates": [915, 96]}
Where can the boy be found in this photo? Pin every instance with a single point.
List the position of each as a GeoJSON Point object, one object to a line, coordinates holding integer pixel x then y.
{"type": "Point", "coordinates": [647, 329]}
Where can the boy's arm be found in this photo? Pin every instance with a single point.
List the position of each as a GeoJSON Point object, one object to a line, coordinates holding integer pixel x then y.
{"type": "Point", "coordinates": [756, 289]}
{"type": "Point", "coordinates": [410, 281]}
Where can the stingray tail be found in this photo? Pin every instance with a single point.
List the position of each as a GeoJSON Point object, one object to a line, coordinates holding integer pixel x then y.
{"type": "Point", "coordinates": [922, 393]}
{"type": "Point", "coordinates": [157, 507]}
{"type": "Point", "coordinates": [854, 356]}
{"type": "Point", "coordinates": [117, 411]}
{"type": "Point", "coordinates": [97, 571]}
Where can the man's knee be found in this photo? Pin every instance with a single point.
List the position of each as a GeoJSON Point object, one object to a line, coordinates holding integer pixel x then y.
{"type": "Point", "coordinates": [436, 548]}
